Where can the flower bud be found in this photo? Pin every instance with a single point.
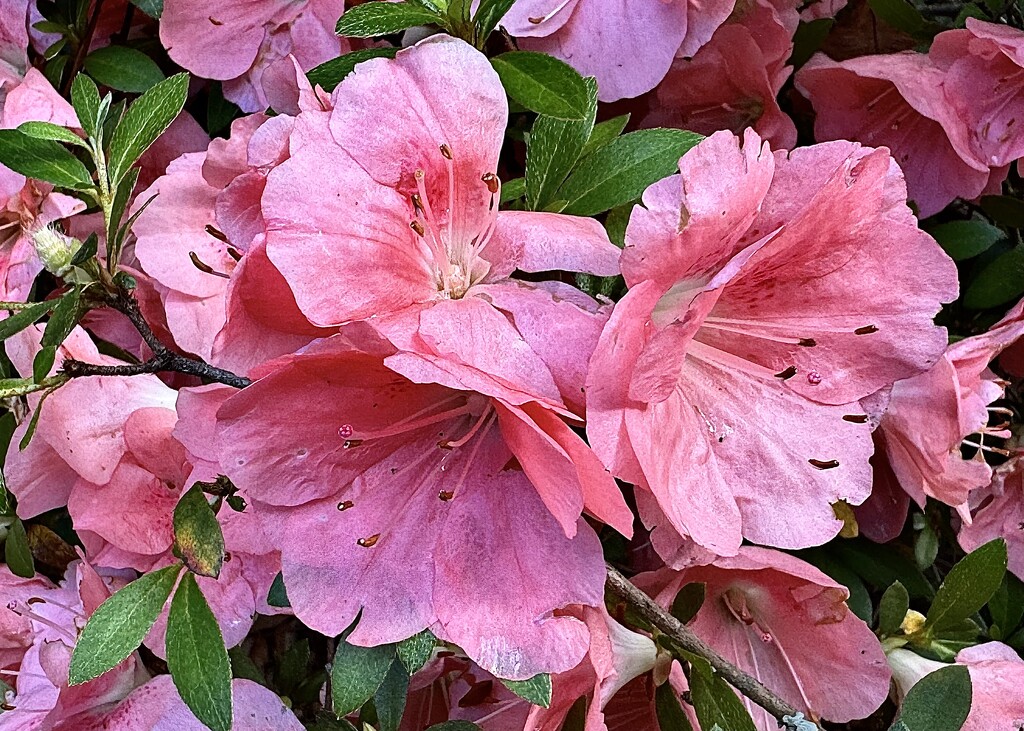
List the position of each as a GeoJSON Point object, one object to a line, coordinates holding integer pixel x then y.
{"type": "Point", "coordinates": [55, 249]}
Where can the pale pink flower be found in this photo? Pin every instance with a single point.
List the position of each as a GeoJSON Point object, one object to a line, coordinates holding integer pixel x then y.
{"type": "Point", "coordinates": [239, 41]}
{"type": "Point", "coordinates": [897, 101]}
{"type": "Point", "coordinates": [788, 625]}
{"type": "Point", "coordinates": [998, 512]}
{"type": "Point", "coordinates": [727, 380]}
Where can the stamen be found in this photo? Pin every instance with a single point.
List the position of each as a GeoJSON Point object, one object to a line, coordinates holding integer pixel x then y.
{"type": "Point", "coordinates": [549, 16]}
{"type": "Point", "coordinates": [205, 268]}
{"type": "Point", "coordinates": [234, 253]}
{"type": "Point", "coordinates": [369, 541]}
{"type": "Point", "coordinates": [749, 328]}
{"type": "Point", "coordinates": [484, 416]}
{"type": "Point", "coordinates": [491, 181]}
{"type": "Point", "coordinates": [417, 227]}
{"type": "Point", "coordinates": [866, 330]}
{"type": "Point", "coordinates": [856, 418]}
{"type": "Point", "coordinates": [823, 464]}
{"type": "Point", "coordinates": [414, 422]}
{"type": "Point", "coordinates": [345, 505]}
{"type": "Point", "coordinates": [216, 233]}
{"type": "Point", "coordinates": [445, 495]}
{"type": "Point", "coordinates": [786, 374]}
{"type": "Point", "coordinates": [446, 152]}
{"type": "Point", "coordinates": [986, 448]}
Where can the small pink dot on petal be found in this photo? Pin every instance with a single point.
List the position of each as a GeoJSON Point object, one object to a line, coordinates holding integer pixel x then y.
{"type": "Point", "coordinates": [814, 378]}
{"type": "Point", "coordinates": [345, 431]}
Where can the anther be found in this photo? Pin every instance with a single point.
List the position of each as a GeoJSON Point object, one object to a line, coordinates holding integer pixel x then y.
{"type": "Point", "coordinates": [824, 465]}
{"type": "Point", "coordinates": [491, 180]}
{"type": "Point", "coordinates": [418, 228]}
{"type": "Point", "coordinates": [417, 204]}
{"type": "Point", "coordinates": [345, 505]}
{"type": "Point", "coordinates": [536, 21]}
{"type": "Point", "coordinates": [351, 443]}
{"type": "Point", "coordinates": [866, 330]}
{"type": "Point", "coordinates": [203, 267]}
{"type": "Point", "coordinates": [234, 253]}
{"type": "Point", "coordinates": [856, 418]}
{"type": "Point", "coordinates": [786, 374]}
{"type": "Point", "coordinates": [370, 541]}
{"type": "Point", "coordinates": [216, 233]}
{"type": "Point", "coordinates": [446, 152]}
{"type": "Point", "coordinates": [807, 342]}
{"type": "Point", "coordinates": [445, 495]}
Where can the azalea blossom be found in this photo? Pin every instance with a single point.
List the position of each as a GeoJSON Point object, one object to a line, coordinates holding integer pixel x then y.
{"type": "Point", "coordinates": [239, 42]}
{"type": "Point", "coordinates": [754, 321]}
{"type": "Point", "coordinates": [788, 625]}
{"type": "Point", "coordinates": [997, 511]}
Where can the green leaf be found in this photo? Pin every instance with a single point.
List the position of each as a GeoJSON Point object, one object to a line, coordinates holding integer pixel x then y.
{"type": "Point", "coordinates": [43, 160]}
{"type": "Point", "coordinates": [50, 131]}
{"type": "Point", "coordinates": [16, 551]}
{"type": "Point", "coordinates": [120, 202]}
{"type": "Point", "coordinates": [554, 147]}
{"type": "Point", "coordinates": [669, 711]}
{"type": "Point", "coordinates": [513, 189]}
{"type": "Point", "coordinates": [543, 84]}
{"type": "Point", "coordinates": [892, 609]}
{"type": "Point", "coordinates": [968, 586]}
{"type": "Point", "coordinates": [998, 283]}
{"type": "Point", "coordinates": [901, 15]}
{"type": "Point", "coordinates": [152, 8]}
{"type": "Point", "coordinates": [219, 111]}
{"type": "Point", "coordinates": [64, 318]}
{"type": "Point", "coordinates": [1004, 209]}
{"type": "Point", "coordinates": [621, 170]}
{"type": "Point", "coordinates": [85, 98]}
{"type": "Point", "coordinates": [381, 18]}
{"type": "Point", "coordinates": [26, 438]}
{"type": "Point", "coordinates": [330, 73]}
{"type": "Point", "coordinates": [43, 362]}
{"type": "Point", "coordinates": [604, 132]}
{"type": "Point", "coordinates": [714, 700]}
{"type": "Point", "coordinates": [357, 674]}
{"type": "Point", "coordinates": [416, 650]}
{"type": "Point", "coordinates": [688, 601]}
{"type": "Point", "coordinates": [940, 701]}
{"type": "Point", "coordinates": [86, 251]}
{"type": "Point", "coordinates": [119, 624]}
{"type": "Point", "coordinates": [18, 387]}
{"type": "Point", "coordinates": [454, 726]}
{"type": "Point", "coordinates": [808, 39]}
{"type": "Point", "coordinates": [278, 595]}
{"type": "Point", "coordinates": [926, 547]}
{"type": "Point", "coordinates": [964, 239]}
{"type": "Point", "coordinates": [23, 318]}
{"type": "Point", "coordinates": [144, 121]}
{"type": "Point", "coordinates": [880, 566]}
{"type": "Point", "coordinates": [1007, 604]}
{"type": "Point", "coordinates": [123, 68]}
{"type": "Point", "coordinates": [489, 14]}
{"type": "Point", "coordinates": [198, 540]}
{"type": "Point", "coordinates": [537, 689]}
{"type": "Point", "coordinates": [197, 658]}
{"type": "Point", "coordinates": [389, 700]}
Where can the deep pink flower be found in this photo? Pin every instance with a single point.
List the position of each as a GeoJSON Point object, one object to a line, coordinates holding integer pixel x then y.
{"type": "Point", "coordinates": [16, 630]}
{"type": "Point", "coordinates": [984, 85]}
{"type": "Point", "coordinates": [238, 41]}
{"type": "Point", "coordinates": [726, 381]}
{"type": "Point", "coordinates": [897, 101]}
{"type": "Point", "coordinates": [787, 624]}
{"type": "Point", "coordinates": [996, 676]}
{"type": "Point", "coordinates": [930, 416]}
{"type": "Point", "coordinates": [998, 512]}
{"type": "Point", "coordinates": [14, 23]}
{"type": "Point", "coordinates": [628, 47]}
{"type": "Point", "coordinates": [421, 506]}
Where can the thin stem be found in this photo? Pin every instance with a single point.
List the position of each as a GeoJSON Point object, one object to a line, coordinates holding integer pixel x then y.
{"type": "Point", "coordinates": [82, 49]}
{"type": "Point", "coordinates": [681, 635]}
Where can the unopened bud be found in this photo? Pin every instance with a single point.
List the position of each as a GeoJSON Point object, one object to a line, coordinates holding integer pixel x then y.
{"type": "Point", "coordinates": [912, 622]}
{"type": "Point", "coordinates": [55, 250]}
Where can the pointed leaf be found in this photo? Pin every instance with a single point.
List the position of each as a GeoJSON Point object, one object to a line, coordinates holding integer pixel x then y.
{"type": "Point", "coordinates": [119, 624]}
{"type": "Point", "coordinates": [17, 553]}
{"type": "Point", "coordinates": [669, 710]}
{"type": "Point", "coordinates": [144, 121]}
{"type": "Point", "coordinates": [940, 701]}
{"type": "Point", "coordinates": [389, 700]}
{"type": "Point", "coordinates": [123, 68]}
{"type": "Point", "coordinates": [85, 98]}
{"type": "Point", "coordinates": [23, 318]}
{"type": "Point", "coordinates": [331, 73]}
{"type": "Point", "coordinates": [198, 540]}
{"type": "Point", "coordinates": [537, 689]}
{"type": "Point", "coordinates": [64, 318]}
{"type": "Point", "coordinates": [554, 147]}
{"type": "Point", "coordinates": [381, 18]}
{"type": "Point", "coordinates": [604, 132]}
{"type": "Point", "coordinates": [543, 84]}
{"type": "Point", "coordinates": [416, 650]}
{"type": "Point", "coordinates": [714, 700]}
{"type": "Point", "coordinates": [688, 601]}
{"type": "Point", "coordinates": [489, 14]}
{"type": "Point", "coordinates": [893, 608]}
{"type": "Point", "coordinates": [357, 674]}
{"type": "Point", "coordinates": [50, 131]}
{"type": "Point", "coordinates": [968, 586]}
{"type": "Point", "coordinates": [197, 658]}
{"type": "Point", "coordinates": [964, 239]}
{"type": "Point", "coordinates": [43, 160]}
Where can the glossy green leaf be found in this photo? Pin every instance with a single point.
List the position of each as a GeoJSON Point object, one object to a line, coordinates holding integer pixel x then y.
{"type": "Point", "coordinates": [50, 131]}
{"type": "Point", "coordinates": [416, 650]}
{"type": "Point", "coordinates": [24, 318]}
{"type": "Point", "coordinates": [901, 15]}
{"type": "Point", "coordinates": [940, 701]}
{"type": "Point", "coordinates": [357, 674]}
{"type": "Point", "coordinates": [543, 84]}
{"type": "Point", "coordinates": [554, 147]}
{"type": "Point", "coordinates": [968, 586]}
{"type": "Point", "coordinates": [43, 362]}
{"type": "Point", "coordinates": [197, 658]}
{"type": "Point", "coordinates": [621, 170]}
{"type": "Point", "coordinates": [123, 68]}
{"type": "Point", "coordinates": [537, 689]}
{"type": "Point", "coordinates": [669, 710]}
{"type": "Point", "coordinates": [389, 700]}
{"type": "Point", "coordinates": [330, 73]}
{"type": "Point", "coordinates": [688, 601]}
{"type": "Point", "coordinates": [808, 39]}
{"type": "Point", "coordinates": [381, 18]}
{"type": "Point", "coordinates": [152, 8]}
{"type": "Point", "coordinates": [85, 98]}
{"type": "Point", "coordinates": [489, 14]}
{"type": "Point", "coordinates": [43, 160]}
{"type": "Point", "coordinates": [604, 132]}
{"type": "Point", "coordinates": [964, 239]}
{"type": "Point", "coordinates": [998, 283]}
{"type": "Point", "coordinates": [278, 595]}
{"type": "Point", "coordinates": [119, 624]}
{"type": "Point", "coordinates": [144, 121]}
{"type": "Point", "coordinates": [198, 540]}
{"type": "Point", "coordinates": [881, 565]}
{"type": "Point", "coordinates": [714, 700]}
{"type": "Point", "coordinates": [64, 318]}
{"type": "Point", "coordinates": [455, 726]}
{"type": "Point", "coordinates": [86, 251]}
{"type": "Point", "coordinates": [892, 608]}
{"type": "Point", "coordinates": [1007, 604]}
{"type": "Point", "coordinates": [513, 189]}
{"type": "Point", "coordinates": [17, 553]}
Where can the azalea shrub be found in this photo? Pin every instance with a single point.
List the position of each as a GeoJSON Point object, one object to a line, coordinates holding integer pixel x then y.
{"type": "Point", "coordinates": [515, 365]}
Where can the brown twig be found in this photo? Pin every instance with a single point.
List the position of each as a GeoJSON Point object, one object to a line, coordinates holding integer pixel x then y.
{"type": "Point", "coordinates": [163, 359]}
{"type": "Point", "coordinates": [681, 635]}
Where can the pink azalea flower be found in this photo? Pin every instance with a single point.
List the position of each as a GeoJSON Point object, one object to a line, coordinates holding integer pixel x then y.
{"type": "Point", "coordinates": [984, 85]}
{"type": "Point", "coordinates": [726, 85]}
{"type": "Point", "coordinates": [897, 101]}
{"type": "Point", "coordinates": [407, 231]}
{"type": "Point", "coordinates": [787, 624]}
{"type": "Point", "coordinates": [28, 205]}
{"type": "Point", "coordinates": [952, 398]}
{"type": "Point", "coordinates": [421, 506]}
{"type": "Point", "coordinates": [16, 630]}
{"type": "Point", "coordinates": [996, 676]}
{"type": "Point", "coordinates": [628, 47]}
{"type": "Point", "coordinates": [238, 42]}
{"type": "Point", "coordinates": [14, 23]}
{"type": "Point", "coordinates": [756, 317]}
{"type": "Point", "coordinates": [998, 512]}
